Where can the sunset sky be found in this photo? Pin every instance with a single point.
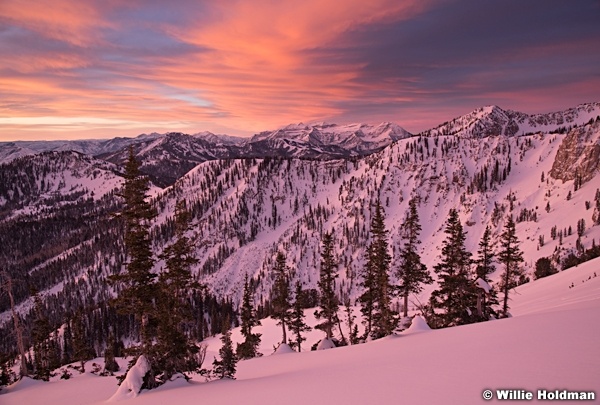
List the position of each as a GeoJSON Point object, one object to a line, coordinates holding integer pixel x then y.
{"type": "Point", "coordinates": [104, 68]}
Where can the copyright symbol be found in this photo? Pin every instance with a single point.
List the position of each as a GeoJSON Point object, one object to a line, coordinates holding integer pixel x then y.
{"type": "Point", "coordinates": [487, 395]}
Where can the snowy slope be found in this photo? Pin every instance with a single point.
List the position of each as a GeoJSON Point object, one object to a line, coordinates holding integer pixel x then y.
{"type": "Point", "coordinates": [53, 179]}
{"type": "Point", "coordinates": [550, 343]}
{"type": "Point", "coordinates": [312, 197]}
{"type": "Point", "coordinates": [245, 210]}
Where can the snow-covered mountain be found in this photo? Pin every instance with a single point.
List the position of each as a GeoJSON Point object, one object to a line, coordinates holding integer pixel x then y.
{"type": "Point", "coordinates": [219, 139]}
{"type": "Point", "coordinates": [346, 140]}
{"type": "Point", "coordinates": [493, 120]}
{"type": "Point", "coordinates": [245, 210]}
{"type": "Point", "coordinates": [288, 205]}
{"type": "Point", "coordinates": [44, 182]}
{"type": "Point", "coordinates": [93, 147]}
{"type": "Point", "coordinates": [170, 156]}
{"type": "Point", "coordinates": [167, 157]}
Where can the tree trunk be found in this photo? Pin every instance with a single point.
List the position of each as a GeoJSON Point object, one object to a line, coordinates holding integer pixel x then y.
{"type": "Point", "coordinates": [506, 281]}
{"type": "Point", "coordinates": [406, 304]}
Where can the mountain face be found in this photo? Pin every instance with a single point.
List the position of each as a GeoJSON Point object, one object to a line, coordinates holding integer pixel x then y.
{"type": "Point", "coordinates": [578, 155]}
{"type": "Point", "coordinates": [168, 157]}
{"type": "Point", "coordinates": [492, 120]}
{"type": "Point", "coordinates": [328, 139]}
{"type": "Point", "coordinates": [58, 230]}
{"type": "Point", "coordinates": [34, 184]}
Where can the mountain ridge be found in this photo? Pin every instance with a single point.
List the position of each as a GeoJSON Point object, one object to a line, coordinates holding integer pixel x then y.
{"type": "Point", "coordinates": [167, 157]}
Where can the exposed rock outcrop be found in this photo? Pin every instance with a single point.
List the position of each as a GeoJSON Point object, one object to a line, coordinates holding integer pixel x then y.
{"type": "Point", "coordinates": [578, 154]}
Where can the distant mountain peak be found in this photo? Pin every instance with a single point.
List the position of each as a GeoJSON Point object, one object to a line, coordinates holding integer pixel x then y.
{"type": "Point", "coordinates": [492, 120]}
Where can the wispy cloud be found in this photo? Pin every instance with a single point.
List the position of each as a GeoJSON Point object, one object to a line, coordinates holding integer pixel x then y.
{"type": "Point", "coordinates": [111, 67]}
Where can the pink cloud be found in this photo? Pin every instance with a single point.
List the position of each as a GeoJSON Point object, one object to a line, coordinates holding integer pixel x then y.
{"type": "Point", "coordinates": [71, 21]}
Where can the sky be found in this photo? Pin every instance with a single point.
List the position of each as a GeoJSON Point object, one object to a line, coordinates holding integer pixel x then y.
{"type": "Point", "coordinates": [102, 68]}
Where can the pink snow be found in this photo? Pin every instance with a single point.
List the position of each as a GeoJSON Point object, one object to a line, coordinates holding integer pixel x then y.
{"type": "Point", "coordinates": [418, 325]}
{"type": "Point", "coordinates": [551, 343]}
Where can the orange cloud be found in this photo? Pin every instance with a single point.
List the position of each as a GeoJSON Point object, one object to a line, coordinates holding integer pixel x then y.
{"type": "Point", "coordinates": [257, 67]}
{"type": "Point", "coordinates": [253, 76]}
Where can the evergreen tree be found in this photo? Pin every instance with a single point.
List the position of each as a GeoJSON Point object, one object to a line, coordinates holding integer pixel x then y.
{"type": "Point", "coordinates": [297, 324]}
{"type": "Point", "coordinates": [412, 272]}
{"type": "Point", "coordinates": [544, 267]}
{"type": "Point", "coordinates": [248, 320]}
{"type": "Point", "coordinates": [456, 295]}
{"type": "Point", "coordinates": [82, 350]}
{"type": "Point", "coordinates": [226, 367]}
{"type": "Point", "coordinates": [138, 283]}
{"type": "Point", "coordinates": [328, 302]}
{"type": "Point", "coordinates": [110, 364]}
{"type": "Point", "coordinates": [7, 288]}
{"type": "Point", "coordinates": [175, 352]}
{"type": "Point", "coordinates": [40, 335]}
{"type": "Point", "coordinates": [67, 343]}
{"type": "Point", "coordinates": [367, 298]}
{"type": "Point", "coordinates": [352, 327]}
{"type": "Point", "coordinates": [484, 268]}
{"type": "Point", "coordinates": [280, 302]}
{"type": "Point", "coordinates": [6, 374]}
{"type": "Point", "coordinates": [511, 256]}
{"type": "Point", "coordinates": [378, 292]}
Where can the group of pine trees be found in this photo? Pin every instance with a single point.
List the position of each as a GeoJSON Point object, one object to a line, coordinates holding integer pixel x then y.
{"type": "Point", "coordinates": [162, 313]}
{"type": "Point", "coordinates": [159, 302]}
{"type": "Point", "coordinates": [464, 293]}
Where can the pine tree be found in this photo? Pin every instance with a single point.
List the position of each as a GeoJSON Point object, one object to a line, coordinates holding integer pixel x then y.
{"type": "Point", "coordinates": [484, 268]}
{"type": "Point", "coordinates": [7, 288]}
{"type": "Point", "coordinates": [138, 289]}
{"type": "Point", "coordinates": [248, 320]}
{"type": "Point", "coordinates": [455, 296]}
{"type": "Point", "coordinates": [328, 302]}
{"type": "Point", "coordinates": [511, 256]}
{"type": "Point", "coordinates": [6, 375]}
{"type": "Point", "coordinates": [378, 292]}
{"type": "Point", "coordinates": [110, 364]}
{"type": "Point", "coordinates": [137, 284]}
{"type": "Point", "coordinates": [297, 323]}
{"type": "Point", "coordinates": [67, 343]}
{"type": "Point", "coordinates": [226, 367]}
{"type": "Point", "coordinates": [412, 272]}
{"type": "Point", "coordinates": [352, 327]}
{"type": "Point", "coordinates": [367, 298]}
{"type": "Point", "coordinates": [175, 352]}
{"type": "Point", "coordinates": [281, 306]}
{"type": "Point", "coordinates": [82, 350]}
{"type": "Point", "coordinates": [544, 268]}
{"type": "Point", "coordinates": [40, 335]}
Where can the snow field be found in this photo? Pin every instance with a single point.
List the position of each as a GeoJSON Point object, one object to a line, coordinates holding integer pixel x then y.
{"type": "Point", "coordinates": [550, 343]}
